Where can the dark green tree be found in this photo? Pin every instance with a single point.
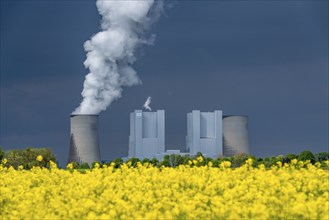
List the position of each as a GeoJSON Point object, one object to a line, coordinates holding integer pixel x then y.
{"type": "Point", "coordinates": [84, 166]}
{"type": "Point", "coordinates": [145, 160]}
{"type": "Point", "coordinates": [133, 161]}
{"type": "Point", "coordinates": [93, 165]}
{"type": "Point", "coordinates": [273, 160]}
{"type": "Point", "coordinates": [306, 155]}
{"type": "Point", "coordinates": [216, 162]}
{"type": "Point", "coordinates": [27, 157]}
{"type": "Point", "coordinates": [239, 159]}
{"type": "Point", "coordinates": [207, 160]}
{"type": "Point", "coordinates": [118, 162]}
{"type": "Point", "coordinates": [199, 154]}
{"type": "Point", "coordinates": [175, 160]}
{"type": "Point", "coordinates": [323, 156]}
{"type": "Point", "coordinates": [2, 153]}
{"type": "Point", "coordinates": [154, 161]}
{"type": "Point", "coordinates": [75, 165]}
{"type": "Point", "coordinates": [186, 160]}
{"type": "Point", "coordinates": [289, 157]}
{"type": "Point", "coordinates": [165, 161]}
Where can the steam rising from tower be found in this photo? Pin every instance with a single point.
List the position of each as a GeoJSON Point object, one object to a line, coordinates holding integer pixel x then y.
{"type": "Point", "coordinates": [147, 104]}
{"type": "Point", "coordinates": [111, 52]}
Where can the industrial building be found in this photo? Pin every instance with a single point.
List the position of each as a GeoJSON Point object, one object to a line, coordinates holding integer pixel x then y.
{"type": "Point", "coordinates": [204, 133]}
{"type": "Point", "coordinates": [84, 139]}
{"type": "Point", "coordinates": [147, 134]}
{"type": "Point", "coordinates": [210, 133]}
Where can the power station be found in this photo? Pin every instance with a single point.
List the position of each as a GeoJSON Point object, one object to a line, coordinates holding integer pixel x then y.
{"type": "Point", "coordinates": [211, 133]}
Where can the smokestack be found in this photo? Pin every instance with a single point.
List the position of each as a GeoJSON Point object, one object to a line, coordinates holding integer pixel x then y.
{"type": "Point", "coordinates": [84, 139]}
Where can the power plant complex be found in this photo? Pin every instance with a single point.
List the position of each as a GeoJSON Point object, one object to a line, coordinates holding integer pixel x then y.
{"type": "Point", "coordinates": [210, 133]}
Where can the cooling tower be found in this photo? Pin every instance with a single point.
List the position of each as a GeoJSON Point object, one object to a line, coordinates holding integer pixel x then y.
{"type": "Point", "coordinates": [235, 135]}
{"type": "Point", "coordinates": [84, 139]}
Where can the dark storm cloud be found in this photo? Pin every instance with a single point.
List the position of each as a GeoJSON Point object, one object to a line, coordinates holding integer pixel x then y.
{"type": "Point", "coordinates": [267, 60]}
{"type": "Point", "coordinates": [39, 39]}
{"type": "Point", "coordinates": [229, 34]}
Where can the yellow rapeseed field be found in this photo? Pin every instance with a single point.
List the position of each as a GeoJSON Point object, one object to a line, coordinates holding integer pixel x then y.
{"type": "Point", "coordinates": [296, 191]}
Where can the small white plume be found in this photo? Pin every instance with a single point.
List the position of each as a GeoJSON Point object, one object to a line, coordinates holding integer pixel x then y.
{"type": "Point", "coordinates": [147, 104]}
{"type": "Point", "coordinates": [111, 52]}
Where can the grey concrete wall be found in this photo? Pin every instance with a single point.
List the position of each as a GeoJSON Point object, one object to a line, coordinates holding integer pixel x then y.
{"type": "Point", "coordinates": [161, 131]}
{"type": "Point", "coordinates": [204, 133]}
{"type": "Point", "coordinates": [149, 124]}
{"type": "Point", "coordinates": [207, 125]}
{"type": "Point", "coordinates": [147, 134]}
{"type": "Point", "coordinates": [235, 135]}
{"type": "Point", "coordinates": [149, 148]}
{"type": "Point", "coordinates": [219, 133]}
{"type": "Point", "coordinates": [84, 146]}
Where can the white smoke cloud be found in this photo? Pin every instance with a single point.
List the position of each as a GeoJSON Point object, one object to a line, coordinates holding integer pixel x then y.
{"type": "Point", "coordinates": [147, 104]}
{"type": "Point", "coordinates": [111, 52]}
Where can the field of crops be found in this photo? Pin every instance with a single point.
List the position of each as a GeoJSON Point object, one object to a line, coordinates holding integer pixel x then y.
{"type": "Point", "coordinates": [294, 191]}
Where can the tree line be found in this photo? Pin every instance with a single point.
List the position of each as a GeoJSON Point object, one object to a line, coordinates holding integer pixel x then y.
{"type": "Point", "coordinates": [27, 158]}
{"type": "Point", "coordinates": [238, 160]}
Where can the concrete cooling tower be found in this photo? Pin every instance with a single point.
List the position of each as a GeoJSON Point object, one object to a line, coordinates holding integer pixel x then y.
{"type": "Point", "coordinates": [235, 135]}
{"type": "Point", "coordinates": [84, 139]}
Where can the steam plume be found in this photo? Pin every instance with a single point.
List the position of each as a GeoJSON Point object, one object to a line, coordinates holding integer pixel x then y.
{"type": "Point", "coordinates": [111, 52]}
{"type": "Point", "coordinates": [147, 104]}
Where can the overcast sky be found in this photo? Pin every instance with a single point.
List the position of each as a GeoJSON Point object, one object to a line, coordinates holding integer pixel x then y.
{"type": "Point", "coordinates": [264, 59]}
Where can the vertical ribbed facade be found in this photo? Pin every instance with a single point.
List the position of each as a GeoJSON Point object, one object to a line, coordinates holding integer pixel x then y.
{"type": "Point", "coordinates": [147, 134]}
{"type": "Point", "coordinates": [204, 133]}
{"type": "Point", "coordinates": [84, 139]}
{"type": "Point", "coordinates": [235, 135]}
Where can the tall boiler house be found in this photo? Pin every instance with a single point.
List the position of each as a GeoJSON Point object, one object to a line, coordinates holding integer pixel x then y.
{"type": "Point", "coordinates": [204, 133]}
{"type": "Point", "coordinates": [147, 134]}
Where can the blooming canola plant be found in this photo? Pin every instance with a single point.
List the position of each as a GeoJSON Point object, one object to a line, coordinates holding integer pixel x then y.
{"type": "Point", "coordinates": [298, 190]}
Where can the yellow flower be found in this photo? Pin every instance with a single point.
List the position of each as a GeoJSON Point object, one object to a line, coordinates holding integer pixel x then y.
{"type": "Point", "coordinates": [318, 164]}
{"type": "Point", "coordinates": [52, 165]}
{"type": "Point", "coordinates": [69, 166]}
{"type": "Point", "coordinates": [225, 164]}
{"type": "Point", "coordinates": [249, 161]}
{"type": "Point", "coordinates": [327, 163]}
{"type": "Point", "coordinates": [279, 163]}
{"type": "Point", "coordinates": [261, 167]}
{"type": "Point", "coordinates": [97, 165]}
{"type": "Point", "coordinates": [4, 161]}
{"type": "Point", "coordinates": [149, 192]}
{"type": "Point", "coordinates": [294, 161]}
{"type": "Point", "coordinates": [39, 158]}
